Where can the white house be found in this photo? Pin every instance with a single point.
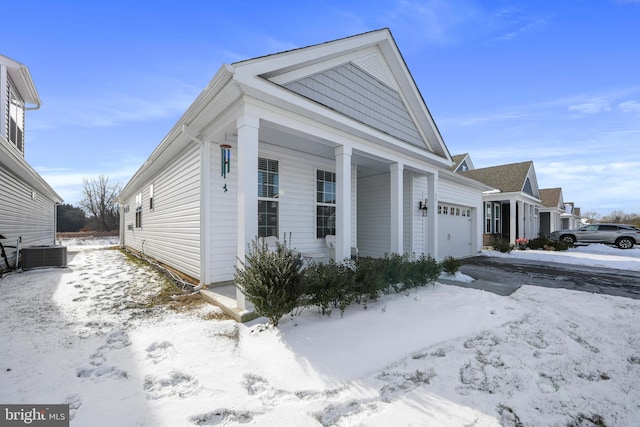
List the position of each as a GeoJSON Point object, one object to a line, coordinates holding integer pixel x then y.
{"type": "Point", "coordinates": [331, 139]}
{"type": "Point", "coordinates": [27, 202]}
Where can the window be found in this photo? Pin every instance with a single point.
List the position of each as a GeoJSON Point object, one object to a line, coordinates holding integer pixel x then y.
{"type": "Point", "coordinates": [16, 119]}
{"type": "Point", "coordinates": [457, 211]}
{"type": "Point", "coordinates": [267, 197]}
{"type": "Point", "coordinates": [151, 197]}
{"type": "Point", "coordinates": [139, 210]}
{"type": "Point", "coordinates": [487, 217]}
{"type": "Point", "coordinates": [325, 203]}
{"type": "Point", "coordinates": [496, 217]}
{"type": "Point", "coordinates": [445, 210]}
{"type": "Point", "coordinates": [440, 209]}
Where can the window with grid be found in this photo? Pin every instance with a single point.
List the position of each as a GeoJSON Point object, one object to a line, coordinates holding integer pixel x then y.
{"type": "Point", "coordinates": [267, 197]}
{"type": "Point", "coordinates": [325, 203]}
{"type": "Point", "coordinates": [487, 218]}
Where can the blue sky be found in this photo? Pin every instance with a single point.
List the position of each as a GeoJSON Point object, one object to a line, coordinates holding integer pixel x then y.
{"type": "Point", "coordinates": [556, 82]}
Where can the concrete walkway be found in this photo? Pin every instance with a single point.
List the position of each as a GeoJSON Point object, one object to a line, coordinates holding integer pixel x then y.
{"type": "Point", "coordinates": [485, 285]}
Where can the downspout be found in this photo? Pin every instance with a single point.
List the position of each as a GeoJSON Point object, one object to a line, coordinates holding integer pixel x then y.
{"type": "Point", "coordinates": [205, 169]}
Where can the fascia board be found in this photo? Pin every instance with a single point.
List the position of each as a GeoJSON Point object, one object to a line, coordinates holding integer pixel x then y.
{"type": "Point", "coordinates": [308, 55]}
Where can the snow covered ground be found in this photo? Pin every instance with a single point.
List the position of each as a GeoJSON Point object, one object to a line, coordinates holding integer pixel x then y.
{"type": "Point", "coordinates": [442, 356]}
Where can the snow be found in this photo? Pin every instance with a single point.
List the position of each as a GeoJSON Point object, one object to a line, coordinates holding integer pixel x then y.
{"type": "Point", "coordinates": [440, 356]}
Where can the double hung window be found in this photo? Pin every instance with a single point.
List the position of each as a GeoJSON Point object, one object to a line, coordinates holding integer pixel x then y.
{"type": "Point", "coordinates": [325, 203]}
{"type": "Point", "coordinates": [268, 197]}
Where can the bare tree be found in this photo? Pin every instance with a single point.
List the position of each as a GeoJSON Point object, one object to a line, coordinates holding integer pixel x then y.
{"type": "Point", "coordinates": [100, 202]}
{"type": "Point", "coordinates": [591, 217]}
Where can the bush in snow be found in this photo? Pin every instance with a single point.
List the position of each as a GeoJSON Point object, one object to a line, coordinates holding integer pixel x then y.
{"type": "Point", "coordinates": [503, 245]}
{"type": "Point", "coordinates": [271, 280]}
{"type": "Point", "coordinates": [450, 265]}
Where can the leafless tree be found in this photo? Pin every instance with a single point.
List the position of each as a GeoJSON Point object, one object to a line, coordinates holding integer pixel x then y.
{"type": "Point", "coordinates": [100, 202]}
{"type": "Point", "coordinates": [591, 217]}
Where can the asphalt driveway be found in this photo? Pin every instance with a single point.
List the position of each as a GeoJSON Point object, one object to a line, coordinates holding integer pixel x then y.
{"type": "Point", "coordinates": [554, 275]}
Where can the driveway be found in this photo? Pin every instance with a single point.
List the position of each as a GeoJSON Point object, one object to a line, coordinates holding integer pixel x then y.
{"type": "Point", "coordinates": [554, 275]}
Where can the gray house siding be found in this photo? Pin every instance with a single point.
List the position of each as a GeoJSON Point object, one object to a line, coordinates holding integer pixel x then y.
{"type": "Point", "coordinates": [357, 94]}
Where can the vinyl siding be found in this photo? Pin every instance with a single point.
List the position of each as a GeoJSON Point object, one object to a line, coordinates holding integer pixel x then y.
{"type": "Point", "coordinates": [296, 209]}
{"type": "Point", "coordinates": [23, 216]}
{"type": "Point", "coordinates": [418, 221]}
{"type": "Point", "coordinates": [357, 94]}
{"type": "Point", "coordinates": [224, 216]}
{"type": "Point", "coordinates": [374, 215]}
{"type": "Point", "coordinates": [170, 233]}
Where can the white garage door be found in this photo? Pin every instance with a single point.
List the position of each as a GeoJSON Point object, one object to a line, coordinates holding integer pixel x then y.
{"type": "Point", "coordinates": [454, 231]}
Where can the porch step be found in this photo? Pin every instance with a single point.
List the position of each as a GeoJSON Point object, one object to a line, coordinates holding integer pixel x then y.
{"type": "Point", "coordinates": [228, 305]}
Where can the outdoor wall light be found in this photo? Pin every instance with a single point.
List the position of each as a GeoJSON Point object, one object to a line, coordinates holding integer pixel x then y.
{"type": "Point", "coordinates": [423, 207]}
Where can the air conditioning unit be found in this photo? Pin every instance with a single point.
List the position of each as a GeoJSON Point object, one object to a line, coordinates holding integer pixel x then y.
{"type": "Point", "coordinates": [43, 256]}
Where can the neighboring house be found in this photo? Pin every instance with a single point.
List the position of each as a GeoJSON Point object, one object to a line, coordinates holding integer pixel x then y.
{"type": "Point", "coordinates": [331, 139]}
{"type": "Point", "coordinates": [27, 202]}
{"type": "Point", "coordinates": [551, 211]}
{"type": "Point", "coordinates": [570, 217]}
{"type": "Point", "coordinates": [511, 209]}
{"type": "Point", "coordinates": [556, 214]}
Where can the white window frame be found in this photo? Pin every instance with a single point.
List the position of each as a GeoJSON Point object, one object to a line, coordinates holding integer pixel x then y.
{"type": "Point", "coordinates": [322, 230]}
{"type": "Point", "coordinates": [272, 197]}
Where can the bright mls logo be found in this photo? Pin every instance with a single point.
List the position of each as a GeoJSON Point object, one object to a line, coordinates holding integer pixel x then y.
{"type": "Point", "coordinates": [34, 415]}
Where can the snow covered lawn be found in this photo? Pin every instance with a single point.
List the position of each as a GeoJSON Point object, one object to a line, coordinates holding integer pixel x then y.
{"type": "Point", "coordinates": [91, 336]}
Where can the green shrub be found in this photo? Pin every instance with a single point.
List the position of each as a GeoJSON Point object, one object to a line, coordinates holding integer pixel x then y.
{"type": "Point", "coordinates": [539, 243]}
{"type": "Point", "coordinates": [548, 244]}
{"type": "Point", "coordinates": [503, 245]}
{"type": "Point", "coordinates": [450, 265]}
{"type": "Point", "coordinates": [328, 285]}
{"type": "Point", "coordinates": [421, 271]}
{"type": "Point", "coordinates": [560, 245]}
{"type": "Point", "coordinates": [271, 280]}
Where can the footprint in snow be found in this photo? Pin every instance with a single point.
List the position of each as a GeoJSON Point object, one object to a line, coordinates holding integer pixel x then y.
{"type": "Point", "coordinates": [102, 372]}
{"type": "Point", "coordinates": [176, 384]}
{"type": "Point", "coordinates": [222, 416]}
{"type": "Point", "coordinates": [159, 351]}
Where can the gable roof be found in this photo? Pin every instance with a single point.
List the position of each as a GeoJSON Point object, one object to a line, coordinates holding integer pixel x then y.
{"type": "Point", "coordinates": [461, 162]}
{"type": "Point", "coordinates": [551, 197]}
{"type": "Point", "coordinates": [506, 178]}
{"type": "Point", "coordinates": [272, 84]}
{"type": "Point", "coordinates": [21, 78]}
{"type": "Point", "coordinates": [363, 77]}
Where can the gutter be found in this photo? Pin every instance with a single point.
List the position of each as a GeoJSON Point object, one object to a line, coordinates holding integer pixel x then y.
{"type": "Point", "coordinates": [204, 197]}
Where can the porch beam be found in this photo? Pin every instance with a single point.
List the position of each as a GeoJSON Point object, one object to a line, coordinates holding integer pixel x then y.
{"type": "Point", "coordinates": [247, 126]}
{"type": "Point", "coordinates": [512, 221]}
{"type": "Point", "coordinates": [343, 202]}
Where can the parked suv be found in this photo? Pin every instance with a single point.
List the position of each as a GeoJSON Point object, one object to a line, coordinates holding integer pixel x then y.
{"type": "Point", "coordinates": [622, 235]}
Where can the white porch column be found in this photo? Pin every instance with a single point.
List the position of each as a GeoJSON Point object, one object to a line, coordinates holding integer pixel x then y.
{"type": "Point", "coordinates": [432, 215]}
{"type": "Point", "coordinates": [247, 126]}
{"type": "Point", "coordinates": [512, 221]}
{"type": "Point", "coordinates": [343, 202]}
{"type": "Point", "coordinates": [520, 219]}
{"type": "Point", "coordinates": [396, 208]}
